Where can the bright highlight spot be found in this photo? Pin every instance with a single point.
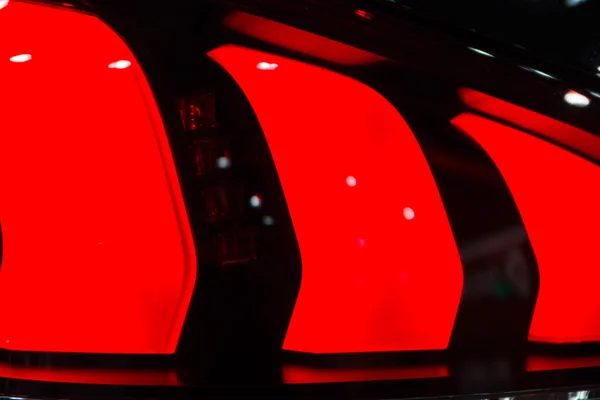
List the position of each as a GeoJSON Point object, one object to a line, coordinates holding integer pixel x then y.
{"type": "Point", "coordinates": [408, 213]}
{"type": "Point", "coordinates": [121, 64]}
{"type": "Point", "coordinates": [576, 99]}
{"type": "Point", "coordinates": [479, 51]}
{"type": "Point", "coordinates": [582, 395]}
{"type": "Point", "coordinates": [351, 181]}
{"type": "Point", "coordinates": [21, 58]}
{"type": "Point", "coordinates": [265, 66]}
{"type": "Point", "coordinates": [361, 242]}
{"type": "Point", "coordinates": [3, 3]}
{"type": "Point", "coordinates": [223, 162]}
{"type": "Point", "coordinates": [595, 94]}
{"type": "Point", "coordinates": [538, 72]}
{"type": "Point", "coordinates": [573, 3]}
{"type": "Point", "coordinates": [255, 201]}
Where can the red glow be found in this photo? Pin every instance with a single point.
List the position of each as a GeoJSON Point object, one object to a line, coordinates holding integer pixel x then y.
{"type": "Point", "coordinates": [393, 293]}
{"type": "Point", "coordinates": [298, 40]}
{"type": "Point", "coordinates": [539, 363]}
{"type": "Point", "coordinates": [364, 14]}
{"type": "Point", "coordinates": [558, 199]}
{"type": "Point", "coordinates": [98, 254]}
{"type": "Point", "coordinates": [90, 376]}
{"type": "Point", "coordinates": [555, 130]}
{"type": "Point", "coordinates": [300, 375]}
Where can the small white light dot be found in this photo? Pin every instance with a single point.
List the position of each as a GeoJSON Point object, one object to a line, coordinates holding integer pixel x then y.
{"type": "Point", "coordinates": [265, 66]}
{"type": "Point", "coordinates": [121, 64]}
{"type": "Point", "coordinates": [576, 99]}
{"type": "Point", "coordinates": [255, 201]}
{"type": "Point", "coordinates": [481, 52]}
{"type": "Point", "coordinates": [21, 58]}
{"type": "Point", "coordinates": [223, 162]}
{"type": "Point", "coordinates": [268, 220]}
{"type": "Point", "coordinates": [351, 181]}
{"type": "Point", "coordinates": [408, 213]}
{"type": "Point", "coordinates": [3, 3]}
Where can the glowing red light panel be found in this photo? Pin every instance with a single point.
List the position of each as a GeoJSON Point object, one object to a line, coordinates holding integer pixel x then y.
{"type": "Point", "coordinates": [555, 130]}
{"type": "Point", "coordinates": [298, 40]}
{"type": "Point", "coordinates": [380, 268]}
{"type": "Point", "coordinates": [297, 374]}
{"type": "Point", "coordinates": [558, 199]}
{"type": "Point", "coordinates": [541, 363]}
{"type": "Point", "coordinates": [124, 377]}
{"type": "Point", "coordinates": [98, 254]}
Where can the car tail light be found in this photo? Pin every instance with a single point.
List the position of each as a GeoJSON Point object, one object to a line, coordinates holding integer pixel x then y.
{"type": "Point", "coordinates": [306, 200]}
{"type": "Point", "coordinates": [364, 207]}
{"type": "Point", "coordinates": [97, 249]}
{"type": "Point", "coordinates": [553, 188]}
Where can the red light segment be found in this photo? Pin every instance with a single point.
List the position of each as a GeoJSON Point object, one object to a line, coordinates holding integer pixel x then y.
{"type": "Point", "coordinates": [555, 130]}
{"type": "Point", "coordinates": [557, 197]}
{"type": "Point", "coordinates": [98, 255]}
{"type": "Point", "coordinates": [297, 40]}
{"type": "Point", "coordinates": [381, 271]}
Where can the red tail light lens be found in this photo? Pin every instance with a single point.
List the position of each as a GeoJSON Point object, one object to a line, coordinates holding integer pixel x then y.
{"type": "Point", "coordinates": [557, 197]}
{"type": "Point", "coordinates": [97, 251]}
{"type": "Point", "coordinates": [365, 209]}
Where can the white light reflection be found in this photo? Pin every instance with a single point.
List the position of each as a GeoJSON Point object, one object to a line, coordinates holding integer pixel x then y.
{"type": "Point", "coordinates": [583, 395]}
{"type": "Point", "coordinates": [255, 201]}
{"type": "Point", "coordinates": [223, 162]}
{"type": "Point", "coordinates": [479, 51]}
{"type": "Point", "coordinates": [3, 3]}
{"type": "Point", "coordinates": [576, 99]}
{"type": "Point", "coordinates": [408, 213]}
{"type": "Point", "coordinates": [121, 64]}
{"type": "Point", "coordinates": [595, 94]}
{"type": "Point", "coordinates": [351, 181]}
{"type": "Point", "coordinates": [573, 3]}
{"type": "Point", "coordinates": [265, 66]}
{"type": "Point", "coordinates": [267, 220]}
{"type": "Point", "coordinates": [537, 71]}
{"type": "Point", "coordinates": [21, 58]}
